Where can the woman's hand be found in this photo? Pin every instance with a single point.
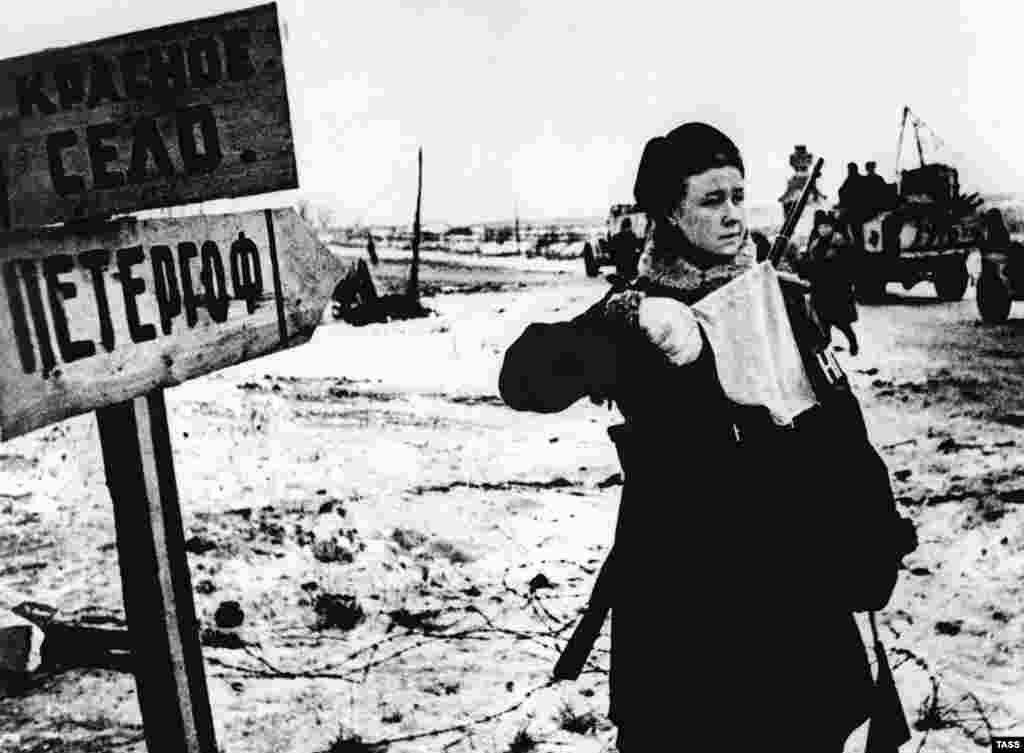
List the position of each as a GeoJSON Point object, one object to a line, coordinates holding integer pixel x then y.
{"type": "Point", "coordinates": [671, 326]}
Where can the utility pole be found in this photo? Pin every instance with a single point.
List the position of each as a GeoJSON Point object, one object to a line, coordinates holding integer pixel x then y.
{"type": "Point", "coordinates": [917, 138]}
{"type": "Point", "coordinates": [412, 291]}
{"type": "Point", "coordinates": [518, 250]}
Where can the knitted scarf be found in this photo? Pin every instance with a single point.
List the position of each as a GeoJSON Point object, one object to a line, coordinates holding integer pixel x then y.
{"type": "Point", "coordinates": [663, 263]}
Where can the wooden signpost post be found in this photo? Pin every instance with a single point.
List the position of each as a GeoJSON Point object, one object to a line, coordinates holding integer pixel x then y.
{"type": "Point", "coordinates": [103, 315]}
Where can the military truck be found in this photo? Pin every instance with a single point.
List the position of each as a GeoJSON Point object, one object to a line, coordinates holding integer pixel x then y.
{"type": "Point", "coordinates": [923, 228]}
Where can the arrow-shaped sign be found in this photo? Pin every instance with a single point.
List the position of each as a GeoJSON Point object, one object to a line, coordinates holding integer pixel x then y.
{"type": "Point", "coordinates": [94, 317]}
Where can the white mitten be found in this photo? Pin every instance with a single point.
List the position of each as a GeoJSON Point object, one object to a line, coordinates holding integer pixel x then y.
{"type": "Point", "coordinates": [671, 326]}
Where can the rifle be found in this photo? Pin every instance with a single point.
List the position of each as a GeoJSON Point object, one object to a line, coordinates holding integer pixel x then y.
{"type": "Point", "coordinates": [577, 649]}
{"type": "Point", "coordinates": [789, 226]}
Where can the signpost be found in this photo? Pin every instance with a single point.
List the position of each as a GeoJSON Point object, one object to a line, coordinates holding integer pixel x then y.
{"type": "Point", "coordinates": [172, 115]}
{"type": "Point", "coordinates": [102, 315]}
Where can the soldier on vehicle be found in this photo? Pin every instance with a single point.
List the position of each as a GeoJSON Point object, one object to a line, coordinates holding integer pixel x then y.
{"type": "Point", "coordinates": [852, 202]}
{"type": "Point", "coordinates": [850, 191]}
{"type": "Point", "coordinates": [878, 193]}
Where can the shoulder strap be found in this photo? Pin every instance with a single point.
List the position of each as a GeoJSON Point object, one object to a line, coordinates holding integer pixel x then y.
{"type": "Point", "coordinates": [826, 375]}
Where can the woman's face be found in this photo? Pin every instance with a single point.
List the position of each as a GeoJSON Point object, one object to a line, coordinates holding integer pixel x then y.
{"type": "Point", "coordinates": [711, 214]}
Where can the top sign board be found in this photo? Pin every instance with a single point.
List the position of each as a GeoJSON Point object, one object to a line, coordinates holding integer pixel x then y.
{"type": "Point", "coordinates": [172, 115]}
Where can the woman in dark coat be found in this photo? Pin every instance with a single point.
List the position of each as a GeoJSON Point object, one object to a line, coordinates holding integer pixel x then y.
{"type": "Point", "coordinates": [746, 537]}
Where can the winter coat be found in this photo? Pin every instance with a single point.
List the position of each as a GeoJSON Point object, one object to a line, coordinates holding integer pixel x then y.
{"type": "Point", "coordinates": [741, 548]}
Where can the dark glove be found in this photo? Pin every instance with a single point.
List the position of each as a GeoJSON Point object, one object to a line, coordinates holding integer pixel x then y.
{"type": "Point", "coordinates": [551, 366]}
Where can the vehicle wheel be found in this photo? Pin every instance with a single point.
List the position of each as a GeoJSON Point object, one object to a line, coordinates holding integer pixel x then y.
{"type": "Point", "coordinates": [951, 281]}
{"type": "Point", "coordinates": [589, 262]}
{"type": "Point", "coordinates": [993, 297]}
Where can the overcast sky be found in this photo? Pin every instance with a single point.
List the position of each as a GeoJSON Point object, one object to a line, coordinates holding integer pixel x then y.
{"type": "Point", "coordinates": [548, 103]}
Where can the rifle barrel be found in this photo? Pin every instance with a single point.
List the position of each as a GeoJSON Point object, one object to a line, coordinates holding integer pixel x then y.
{"type": "Point", "coordinates": [789, 226]}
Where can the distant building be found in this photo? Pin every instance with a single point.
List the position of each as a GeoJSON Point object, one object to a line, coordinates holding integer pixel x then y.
{"type": "Point", "coordinates": [800, 160]}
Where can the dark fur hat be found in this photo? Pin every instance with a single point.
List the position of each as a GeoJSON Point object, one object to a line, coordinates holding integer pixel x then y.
{"type": "Point", "coordinates": [668, 160]}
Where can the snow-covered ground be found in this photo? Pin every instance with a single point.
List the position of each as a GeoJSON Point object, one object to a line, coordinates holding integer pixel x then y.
{"type": "Point", "coordinates": [378, 464]}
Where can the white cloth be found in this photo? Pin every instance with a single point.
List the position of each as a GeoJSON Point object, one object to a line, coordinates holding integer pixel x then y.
{"type": "Point", "coordinates": [756, 354]}
{"type": "Point", "coordinates": [672, 326]}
